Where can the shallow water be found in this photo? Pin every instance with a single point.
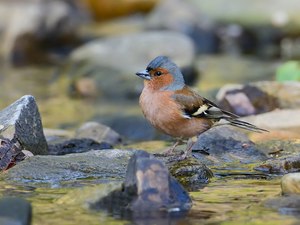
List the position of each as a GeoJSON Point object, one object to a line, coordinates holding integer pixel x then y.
{"type": "Point", "coordinates": [225, 200]}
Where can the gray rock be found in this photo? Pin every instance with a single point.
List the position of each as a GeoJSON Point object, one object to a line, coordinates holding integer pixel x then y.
{"type": "Point", "coordinates": [108, 164]}
{"type": "Point", "coordinates": [290, 183]}
{"type": "Point", "coordinates": [143, 47]}
{"type": "Point", "coordinates": [15, 211]}
{"type": "Point", "coordinates": [102, 60]}
{"type": "Point", "coordinates": [148, 188]}
{"type": "Point", "coordinates": [223, 144]}
{"type": "Point", "coordinates": [98, 132]}
{"type": "Point", "coordinates": [21, 120]}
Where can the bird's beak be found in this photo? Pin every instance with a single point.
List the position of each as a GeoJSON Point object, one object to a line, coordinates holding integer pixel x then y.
{"type": "Point", "coordinates": [144, 74]}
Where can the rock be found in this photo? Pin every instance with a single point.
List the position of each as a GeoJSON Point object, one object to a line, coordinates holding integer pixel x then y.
{"type": "Point", "coordinates": [245, 100]}
{"type": "Point", "coordinates": [108, 165]}
{"type": "Point", "coordinates": [281, 165]}
{"type": "Point", "coordinates": [98, 132]}
{"type": "Point", "coordinates": [278, 119]}
{"type": "Point", "coordinates": [15, 211]}
{"type": "Point", "coordinates": [29, 27]}
{"type": "Point", "coordinates": [101, 60]}
{"type": "Point", "coordinates": [191, 173]}
{"type": "Point", "coordinates": [286, 93]}
{"type": "Point", "coordinates": [148, 188]}
{"type": "Point", "coordinates": [283, 156]}
{"type": "Point", "coordinates": [77, 146]}
{"type": "Point", "coordinates": [290, 183]}
{"type": "Point", "coordinates": [21, 120]}
{"type": "Point", "coordinates": [57, 135]}
{"type": "Point", "coordinates": [223, 144]}
{"type": "Point", "coordinates": [259, 97]}
{"type": "Point", "coordinates": [238, 70]}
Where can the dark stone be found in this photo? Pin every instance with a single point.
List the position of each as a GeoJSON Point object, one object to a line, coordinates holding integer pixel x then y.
{"type": "Point", "coordinates": [223, 144]}
{"type": "Point", "coordinates": [248, 100]}
{"type": "Point", "coordinates": [77, 146]}
{"type": "Point", "coordinates": [10, 153]}
{"type": "Point", "coordinates": [15, 211]}
{"type": "Point", "coordinates": [21, 120]}
{"type": "Point", "coordinates": [148, 190]}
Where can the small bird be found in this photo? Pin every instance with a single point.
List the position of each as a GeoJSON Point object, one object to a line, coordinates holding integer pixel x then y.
{"type": "Point", "coordinates": [175, 109]}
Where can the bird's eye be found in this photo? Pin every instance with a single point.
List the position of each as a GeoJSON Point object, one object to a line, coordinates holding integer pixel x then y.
{"type": "Point", "coordinates": [158, 73]}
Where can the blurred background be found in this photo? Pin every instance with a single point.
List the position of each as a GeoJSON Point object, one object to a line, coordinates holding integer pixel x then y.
{"type": "Point", "coordinates": [79, 57]}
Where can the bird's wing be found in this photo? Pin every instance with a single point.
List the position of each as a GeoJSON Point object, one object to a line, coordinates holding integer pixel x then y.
{"type": "Point", "coordinates": [194, 105]}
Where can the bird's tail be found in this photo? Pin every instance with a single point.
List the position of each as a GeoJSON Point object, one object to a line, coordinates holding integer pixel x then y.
{"type": "Point", "coordinates": [244, 125]}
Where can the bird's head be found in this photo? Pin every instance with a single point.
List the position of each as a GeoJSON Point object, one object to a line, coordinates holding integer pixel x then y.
{"type": "Point", "coordinates": [162, 74]}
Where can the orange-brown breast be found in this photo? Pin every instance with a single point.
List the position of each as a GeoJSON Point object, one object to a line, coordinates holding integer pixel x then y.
{"type": "Point", "coordinates": [166, 115]}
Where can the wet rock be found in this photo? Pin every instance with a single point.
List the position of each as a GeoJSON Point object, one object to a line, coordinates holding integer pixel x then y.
{"type": "Point", "coordinates": [10, 153]}
{"type": "Point", "coordinates": [21, 120]}
{"type": "Point", "coordinates": [98, 132]}
{"type": "Point", "coordinates": [283, 156]}
{"type": "Point", "coordinates": [29, 27]}
{"type": "Point", "coordinates": [101, 60]}
{"type": "Point", "coordinates": [245, 100]}
{"type": "Point", "coordinates": [191, 173]}
{"type": "Point", "coordinates": [107, 165]}
{"type": "Point", "coordinates": [15, 211]}
{"type": "Point", "coordinates": [281, 165]}
{"type": "Point", "coordinates": [148, 188]}
{"type": "Point", "coordinates": [290, 183]}
{"type": "Point", "coordinates": [223, 144]}
{"type": "Point", "coordinates": [77, 146]}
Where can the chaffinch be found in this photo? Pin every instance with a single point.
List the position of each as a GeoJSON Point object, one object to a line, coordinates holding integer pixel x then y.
{"type": "Point", "coordinates": [175, 109]}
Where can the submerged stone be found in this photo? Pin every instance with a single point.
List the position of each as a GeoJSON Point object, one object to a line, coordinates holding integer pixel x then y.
{"type": "Point", "coordinates": [148, 189]}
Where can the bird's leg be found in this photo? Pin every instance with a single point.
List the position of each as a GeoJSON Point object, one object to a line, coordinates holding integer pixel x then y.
{"type": "Point", "coordinates": [189, 148]}
{"type": "Point", "coordinates": [171, 150]}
